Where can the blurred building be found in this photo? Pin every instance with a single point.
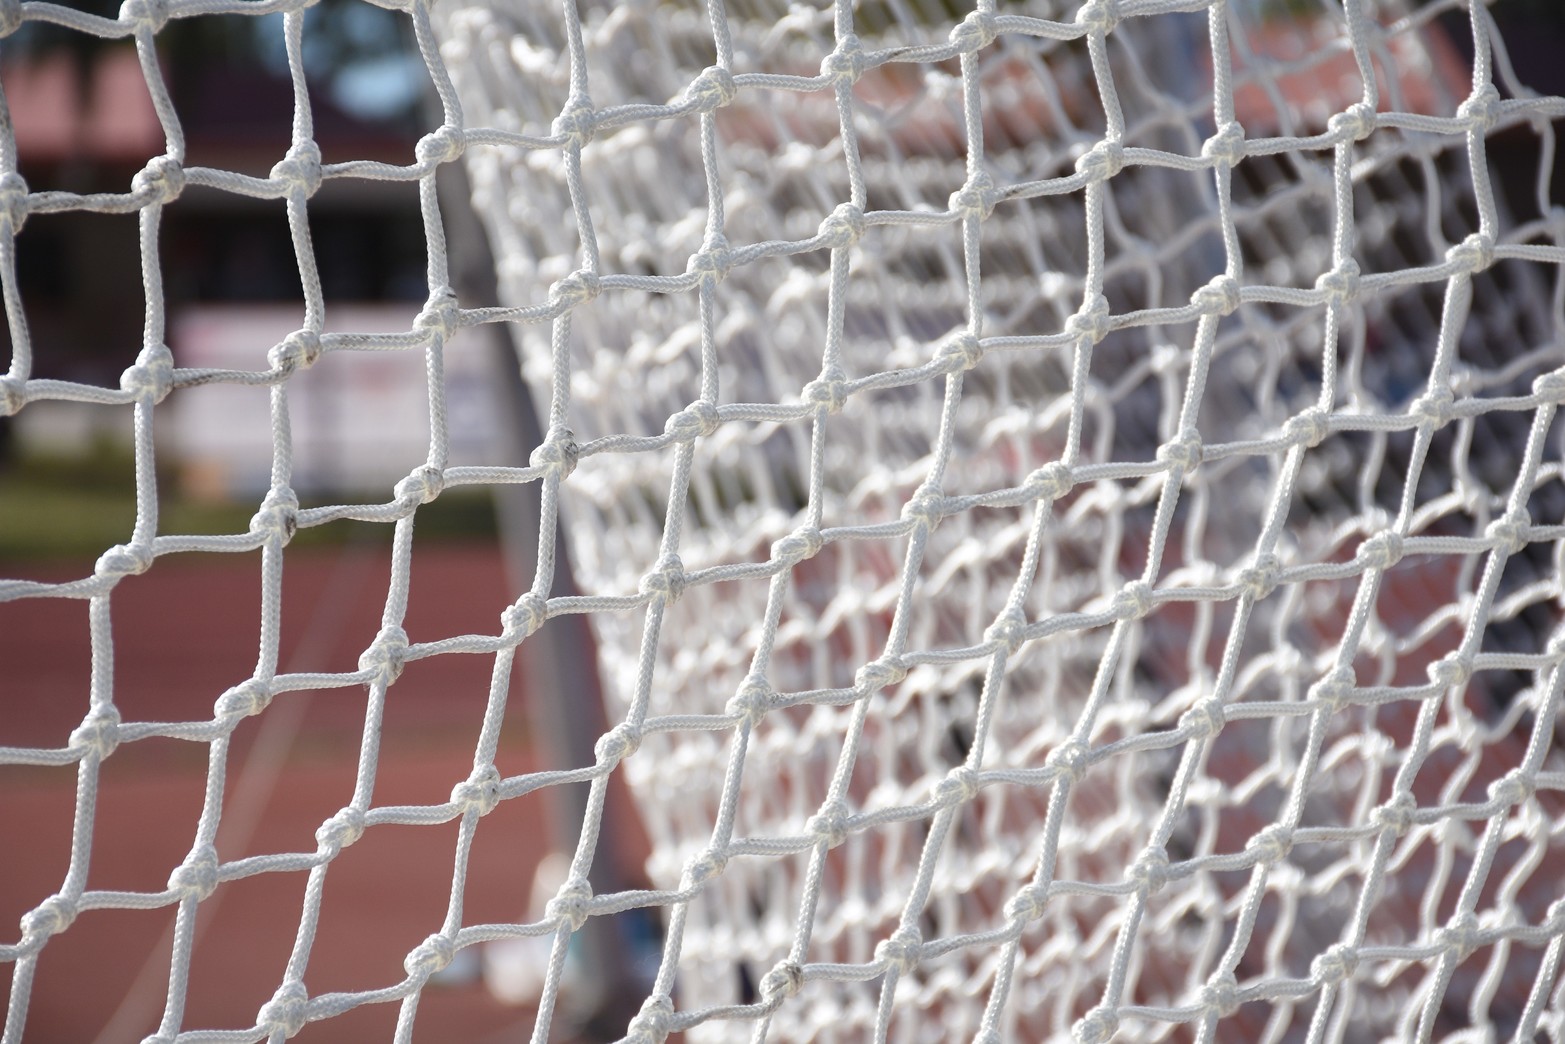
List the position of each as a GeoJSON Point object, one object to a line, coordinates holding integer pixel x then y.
{"type": "Point", "coordinates": [85, 123]}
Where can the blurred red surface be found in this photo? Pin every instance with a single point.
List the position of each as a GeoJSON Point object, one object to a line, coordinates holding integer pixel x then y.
{"type": "Point", "coordinates": [183, 633]}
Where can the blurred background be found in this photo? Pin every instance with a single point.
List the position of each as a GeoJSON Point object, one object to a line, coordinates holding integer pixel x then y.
{"type": "Point", "coordinates": [83, 122]}
{"type": "Point", "coordinates": [185, 631]}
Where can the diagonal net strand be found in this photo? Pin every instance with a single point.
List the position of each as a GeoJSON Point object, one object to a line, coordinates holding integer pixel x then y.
{"type": "Point", "coordinates": [1068, 497]}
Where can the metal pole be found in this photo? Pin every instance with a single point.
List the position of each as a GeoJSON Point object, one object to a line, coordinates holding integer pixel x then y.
{"type": "Point", "coordinates": [558, 666]}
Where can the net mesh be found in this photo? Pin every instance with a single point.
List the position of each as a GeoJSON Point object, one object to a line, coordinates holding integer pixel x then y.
{"type": "Point", "coordinates": [1069, 499]}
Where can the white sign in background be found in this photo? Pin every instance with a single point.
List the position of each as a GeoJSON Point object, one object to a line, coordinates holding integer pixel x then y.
{"type": "Point", "coordinates": [360, 419]}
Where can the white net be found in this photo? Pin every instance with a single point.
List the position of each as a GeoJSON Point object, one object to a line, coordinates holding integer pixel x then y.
{"type": "Point", "coordinates": [1069, 499]}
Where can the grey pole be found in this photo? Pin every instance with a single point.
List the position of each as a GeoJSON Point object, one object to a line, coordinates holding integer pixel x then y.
{"type": "Point", "coordinates": [558, 666]}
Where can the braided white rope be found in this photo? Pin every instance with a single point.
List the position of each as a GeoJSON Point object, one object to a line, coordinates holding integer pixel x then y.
{"type": "Point", "coordinates": [866, 390]}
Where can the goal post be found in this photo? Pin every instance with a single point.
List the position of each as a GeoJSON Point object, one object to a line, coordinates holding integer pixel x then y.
{"type": "Point", "coordinates": [1066, 498]}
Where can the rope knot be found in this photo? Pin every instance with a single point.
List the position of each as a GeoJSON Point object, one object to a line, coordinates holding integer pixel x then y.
{"type": "Point", "coordinates": [1433, 408]}
{"type": "Point", "coordinates": [1226, 147]}
{"type": "Point", "coordinates": [524, 617]}
{"type": "Point", "coordinates": [298, 351]}
{"type": "Point", "coordinates": [161, 180]}
{"type": "Point", "coordinates": [99, 733]}
{"type": "Point", "coordinates": [1183, 453]}
{"type": "Point", "coordinates": [713, 89]}
{"type": "Point", "coordinates": [1027, 904]}
{"type": "Point", "coordinates": [441, 315]}
{"type": "Point", "coordinates": [698, 419]}
{"type": "Point", "coordinates": [651, 1024]}
{"type": "Point", "coordinates": [902, 950]}
{"type": "Point", "coordinates": [960, 353]}
{"type": "Point", "coordinates": [1098, 16]}
{"type": "Point", "coordinates": [421, 485]}
{"type": "Point", "coordinates": [1473, 254]}
{"type": "Point", "coordinates": [1511, 531]}
{"type": "Point", "coordinates": [712, 261]}
{"type": "Point", "coordinates": [1395, 815]}
{"type": "Point", "coordinates": [829, 824]}
{"type": "Point", "coordinates": [432, 955]}
{"type": "Point", "coordinates": [13, 391]}
{"type": "Point", "coordinates": [1309, 428]}
{"type": "Point", "coordinates": [828, 391]}
{"type": "Point", "coordinates": [1261, 578]}
{"type": "Point", "coordinates": [153, 374]}
{"type": "Point", "coordinates": [479, 792]}
{"type": "Point", "coordinates": [1355, 123]}
{"type": "Point", "coordinates": [703, 868]}
{"type": "Point", "coordinates": [577, 288]}
{"type": "Point", "coordinates": [341, 830]}
{"type": "Point", "coordinates": [196, 877]}
{"type": "Point", "coordinates": [577, 122]}
{"type": "Point", "coordinates": [557, 453]}
{"type": "Point", "coordinates": [1334, 689]}
{"type": "Point", "coordinates": [959, 786]}
{"type": "Point", "coordinates": [843, 227]}
{"type": "Point", "coordinates": [877, 674]}
{"type": "Point", "coordinates": [1334, 965]}
{"type": "Point", "coordinates": [927, 506]}
{"type": "Point", "coordinates": [751, 703]}
{"type": "Point", "coordinates": [1550, 387]}
{"type": "Point", "coordinates": [1451, 670]}
{"type": "Point", "coordinates": [299, 170]}
{"type": "Point", "coordinates": [1133, 601]}
{"type": "Point", "coordinates": [277, 519]}
{"type": "Point", "coordinates": [784, 980]}
{"type": "Point", "coordinates": [244, 700]}
{"type": "Point", "coordinates": [1459, 936]}
{"type": "Point", "coordinates": [1204, 719]}
{"type": "Point", "coordinates": [1101, 162]}
{"type": "Point", "coordinates": [666, 581]}
{"type": "Point", "coordinates": [124, 560]}
{"type": "Point", "coordinates": [49, 918]}
{"type": "Point", "coordinates": [843, 66]}
{"type": "Point", "coordinates": [1097, 1026]}
{"type": "Point", "coordinates": [1009, 629]}
{"type": "Point", "coordinates": [11, 18]}
{"type": "Point", "coordinates": [1220, 995]}
{"type": "Point", "coordinates": [1218, 297]}
{"type": "Point", "coordinates": [1478, 109]}
{"type": "Point", "coordinates": [13, 192]}
{"type": "Point", "coordinates": [386, 656]}
{"type": "Point", "coordinates": [976, 198]}
{"type": "Point", "coordinates": [1069, 759]}
{"type": "Point", "coordinates": [1381, 551]}
{"type": "Point", "coordinates": [443, 145]}
{"type": "Point", "coordinates": [617, 744]}
{"type": "Point", "coordinates": [1341, 284]}
{"type": "Point", "coordinates": [568, 909]}
{"type": "Point", "coordinates": [285, 1012]}
{"type": "Point", "coordinates": [1271, 845]}
{"type": "Point", "coordinates": [973, 33]}
{"type": "Point", "coordinates": [1051, 482]}
{"type": "Point", "coordinates": [1149, 872]}
{"type": "Point", "coordinates": [804, 542]}
{"type": "Point", "coordinates": [1091, 322]}
{"type": "Point", "coordinates": [151, 15]}
{"type": "Point", "coordinates": [1512, 788]}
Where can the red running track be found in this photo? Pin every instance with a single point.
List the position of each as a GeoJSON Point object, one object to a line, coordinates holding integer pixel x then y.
{"type": "Point", "coordinates": [183, 633]}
